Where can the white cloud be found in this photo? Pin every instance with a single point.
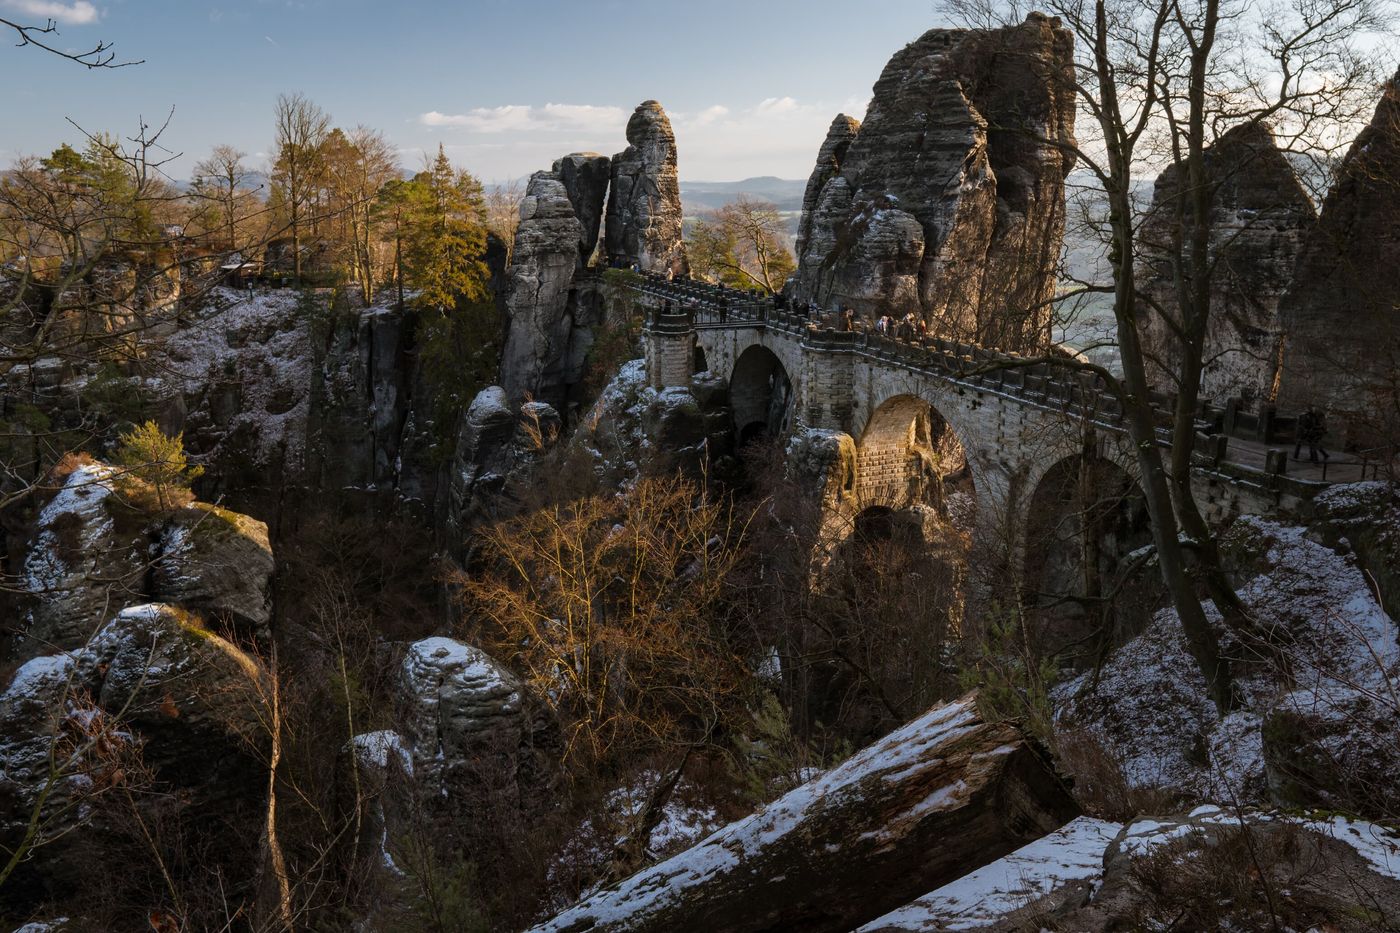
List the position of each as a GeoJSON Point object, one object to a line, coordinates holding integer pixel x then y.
{"type": "Point", "coordinates": [711, 114]}
{"type": "Point", "coordinates": [775, 105]}
{"type": "Point", "coordinates": [551, 118]}
{"type": "Point", "coordinates": [775, 136]}
{"type": "Point", "coordinates": [77, 13]}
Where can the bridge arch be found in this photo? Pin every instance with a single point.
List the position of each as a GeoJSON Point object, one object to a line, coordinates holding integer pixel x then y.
{"type": "Point", "coordinates": [1086, 516]}
{"type": "Point", "coordinates": [908, 454]}
{"type": "Point", "coordinates": [761, 394]}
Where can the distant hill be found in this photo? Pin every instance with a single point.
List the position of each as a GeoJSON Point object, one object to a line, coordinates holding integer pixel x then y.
{"type": "Point", "coordinates": [699, 196]}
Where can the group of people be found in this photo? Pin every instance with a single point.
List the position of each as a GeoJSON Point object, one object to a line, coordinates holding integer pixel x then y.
{"type": "Point", "coordinates": [905, 328]}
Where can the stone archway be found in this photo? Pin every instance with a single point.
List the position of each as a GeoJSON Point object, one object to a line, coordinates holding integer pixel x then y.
{"type": "Point", "coordinates": [760, 395]}
{"type": "Point", "coordinates": [1086, 521]}
{"type": "Point", "coordinates": [909, 455]}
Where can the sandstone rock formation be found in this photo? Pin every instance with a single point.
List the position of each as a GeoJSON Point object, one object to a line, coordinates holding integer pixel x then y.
{"type": "Point", "coordinates": [474, 750]}
{"type": "Point", "coordinates": [460, 705]}
{"type": "Point", "coordinates": [94, 551]}
{"type": "Point", "coordinates": [644, 204]}
{"type": "Point", "coordinates": [538, 291]}
{"type": "Point", "coordinates": [585, 177]}
{"type": "Point", "coordinates": [949, 200]}
{"type": "Point", "coordinates": [1259, 219]}
{"type": "Point", "coordinates": [1342, 313]}
{"type": "Point", "coordinates": [832, 154]}
{"type": "Point", "coordinates": [188, 700]}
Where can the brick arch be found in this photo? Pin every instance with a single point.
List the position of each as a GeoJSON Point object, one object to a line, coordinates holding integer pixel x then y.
{"type": "Point", "coordinates": [1085, 514]}
{"type": "Point", "coordinates": [905, 446]}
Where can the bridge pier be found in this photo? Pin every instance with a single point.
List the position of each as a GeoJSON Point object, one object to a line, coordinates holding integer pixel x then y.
{"type": "Point", "coordinates": [826, 389]}
{"type": "Point", "coordinates": [669, 339]}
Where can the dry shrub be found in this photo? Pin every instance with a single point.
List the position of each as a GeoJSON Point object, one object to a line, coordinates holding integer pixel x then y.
{"type": "Point", "coordinates": [1101, 784]}
{"type": "Point", "coordinates": [1266, 876]}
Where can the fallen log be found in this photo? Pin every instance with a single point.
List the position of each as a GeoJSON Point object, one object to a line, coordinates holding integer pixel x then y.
{"type": "Point", "coordinates": [932, 801]}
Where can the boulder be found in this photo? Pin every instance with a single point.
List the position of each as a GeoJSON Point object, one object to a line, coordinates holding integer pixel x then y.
{"type": "Point", "coordinates": [933, 800]}
{"type": "Point", "coordinates": [964, 139]}
{"type": "Point", "coordinates": [1260, 216]}
{"type": "Point", "coordinates": [1340, 313]}
{"type": "Point", "coordinates": [644, 202]}
{"type": "Point", "coordinates": [216, 561]}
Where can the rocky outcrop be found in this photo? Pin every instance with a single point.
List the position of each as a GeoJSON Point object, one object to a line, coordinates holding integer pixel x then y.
{"type": "Point", "coordinates": [95, 551]}
{"type": "Point", "coordinates": [1342, 313]}
{"type": "Point", "coordinates": [156, 718]}
{"type": "Point", "coordinates": [585, 177]}
{"type": "Point", "coordinates": [539, 292]}
{"type": "Point", "coordinates": [644, 204]}
{"type": "Point", "coordinates": [463, 713]}
{"type": "Point", "coordinates": [949, 201]}
{"type": "Point", "coordinates": [1259, 218]}
{"type": "Point", "coordinates": [832, 154]}
{"type": "Point", "coordinates": [473, 750]}
{"type": "Point", "coordinates": [496, 447]}
{"type": "Point", "coordinates": [216, 561]}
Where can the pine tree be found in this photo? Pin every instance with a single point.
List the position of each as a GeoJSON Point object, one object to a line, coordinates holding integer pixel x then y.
{"type": "Point", "coordinates": [159, 461]}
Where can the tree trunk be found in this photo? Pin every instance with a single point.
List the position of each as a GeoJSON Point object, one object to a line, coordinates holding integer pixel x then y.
{"type": "Point", "coordinates": [930, 802]}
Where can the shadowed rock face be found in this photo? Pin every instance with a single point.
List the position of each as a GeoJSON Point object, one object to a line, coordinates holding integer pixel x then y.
{"type": "Point", "coordinates": [538, 289]}
{"type": "Point", "coordinates": [949, 199]}
{"type": "Point", "coordinates": [1341, 312]}
{"type": "Point", "coordinates": [585, 178]}
{"type": "Point", "coordinates": [1259, 219]}
{"type": "Point", "coordinates": [644, 206]}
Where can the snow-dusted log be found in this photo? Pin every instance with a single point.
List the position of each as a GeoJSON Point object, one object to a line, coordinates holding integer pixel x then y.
{"type": "Point", "coordinates": [929, 803]}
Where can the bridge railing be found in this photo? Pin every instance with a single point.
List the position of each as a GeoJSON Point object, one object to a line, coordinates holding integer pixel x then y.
{"type": "Point", "coordinates": [713, 306]}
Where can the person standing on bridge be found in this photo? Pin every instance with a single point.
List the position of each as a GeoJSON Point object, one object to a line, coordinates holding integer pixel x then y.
{"type": "Point", "coordinates": [1312, 428]}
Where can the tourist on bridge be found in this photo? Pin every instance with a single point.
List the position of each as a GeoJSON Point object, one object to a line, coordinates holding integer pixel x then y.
{"type": "Point", "coordinates": [1312, 428]}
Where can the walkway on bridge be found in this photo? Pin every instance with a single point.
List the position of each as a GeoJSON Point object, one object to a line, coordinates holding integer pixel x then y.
{"type": "Point", "coordinates": [704, 306]}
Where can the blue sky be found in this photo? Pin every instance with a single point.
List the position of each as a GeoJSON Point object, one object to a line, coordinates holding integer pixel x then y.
{"type": "Point", "coordinates": [506, 85]}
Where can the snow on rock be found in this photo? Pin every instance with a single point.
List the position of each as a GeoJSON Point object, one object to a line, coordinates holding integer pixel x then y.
{"type": "Point", "coordinates": [1331, 691]}
{"type": "Point", "coordinates": [76, 544]}
{"type": "Point", "coordinates": [1073, 854]}
{"type": "Point", "coordinates": [460, 705]}
{"type": "Point", "coordinates": [247, 364]}
{"type": "Point", "coordinates": [375, 748]}
{"type": "Point", "coordinates": [909, 810]}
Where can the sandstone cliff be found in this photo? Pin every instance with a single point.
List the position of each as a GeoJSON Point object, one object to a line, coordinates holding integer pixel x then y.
{"type": "Point", "coordinates": [1259, 219]}
{"type": "Point", "coordinates": [1341, 311]}
{"type": "Point", "coordinates": [949, 200]}
{"type": "Point", "coordinates": [644, 204]}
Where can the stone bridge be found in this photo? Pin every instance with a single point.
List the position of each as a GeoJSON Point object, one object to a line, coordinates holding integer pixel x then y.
{"type": "Point", "coordinates": [910, 414]}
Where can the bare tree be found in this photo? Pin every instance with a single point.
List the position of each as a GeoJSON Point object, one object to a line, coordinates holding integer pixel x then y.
{"type": "Point", "coordinates": [1158, 81]}
{"type": "Point", "coordinates": [301, 128]}
{"type": "Point", "coordinates": [744, 244]}
{"type": "Point", "coordinates": [40, 37]}
{"type": "Point", "coordinates": [223, 178]}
